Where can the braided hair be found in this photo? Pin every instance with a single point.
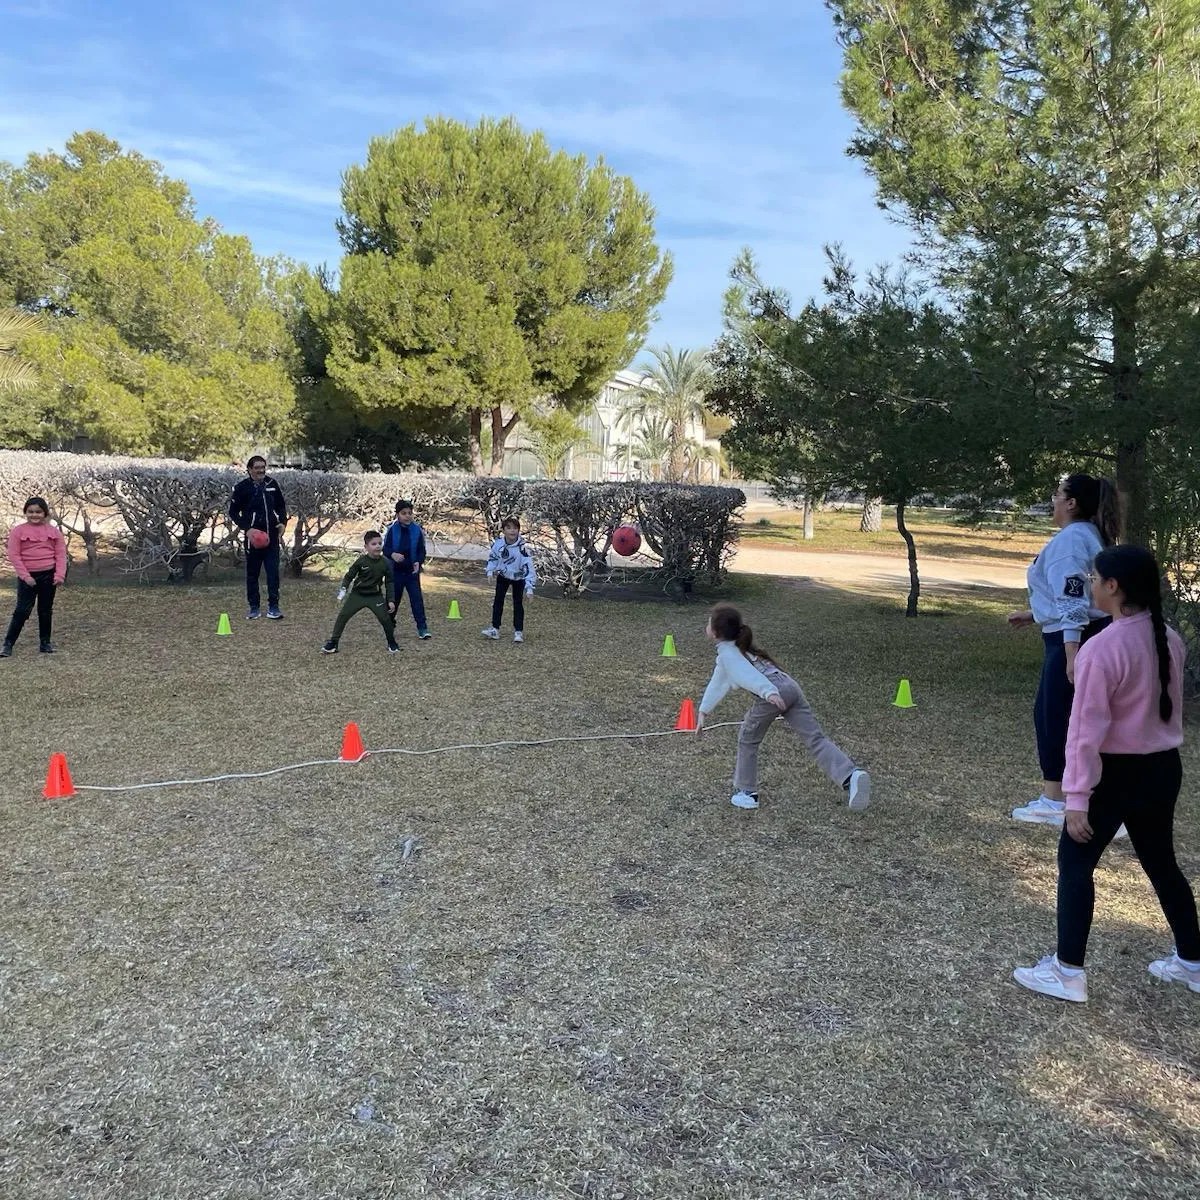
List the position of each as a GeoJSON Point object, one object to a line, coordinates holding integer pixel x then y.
{"type": "Point", "coordinates": [1136, 573]}
{"type": "Point", "coordinates": [728, 625]}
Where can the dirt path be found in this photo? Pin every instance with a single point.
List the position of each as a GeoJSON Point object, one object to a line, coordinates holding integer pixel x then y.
{"type": "Point", "coordinates": [882, 569]}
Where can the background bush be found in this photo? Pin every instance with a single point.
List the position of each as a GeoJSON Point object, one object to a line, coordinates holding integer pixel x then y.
{"type": "Point", "coordinates": [165, 518]}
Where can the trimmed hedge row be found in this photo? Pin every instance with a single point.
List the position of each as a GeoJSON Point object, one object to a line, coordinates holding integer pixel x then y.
{"type": "Point", "coordinates": [168, 517]}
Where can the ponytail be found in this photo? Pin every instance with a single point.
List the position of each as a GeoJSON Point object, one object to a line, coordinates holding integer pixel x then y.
{"type": "Point", "coordinates": [1165, 707]}
{"type": "Point", "coordinates": [1098, 501]}
{"type": "Point", "coordinates": [728, 625]}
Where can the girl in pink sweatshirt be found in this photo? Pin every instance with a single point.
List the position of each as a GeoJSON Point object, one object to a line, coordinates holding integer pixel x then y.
{"type": "Point", "coordinates": [38, 554]}
{"type": "Point", "coordinates": [1122, 766]}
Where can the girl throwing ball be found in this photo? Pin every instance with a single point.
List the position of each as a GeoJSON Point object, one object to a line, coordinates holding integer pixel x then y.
{"type": "Point", "coordinates": [742, 664]}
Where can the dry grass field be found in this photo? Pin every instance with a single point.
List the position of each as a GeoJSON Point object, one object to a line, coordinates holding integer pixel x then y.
{"type": "Point", "coordinates": [937, 535]}
{"type": "Point", "coordinates": [590, 977]}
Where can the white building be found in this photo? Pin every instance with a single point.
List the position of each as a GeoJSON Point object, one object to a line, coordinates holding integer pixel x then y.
{"type": "Point", "coordinates": [610, 456]}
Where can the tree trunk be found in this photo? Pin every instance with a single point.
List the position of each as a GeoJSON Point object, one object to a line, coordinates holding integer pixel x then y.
{"type": "Point", "coordinates": [808, 516]}
{"type": "Point", "coordinates": [914, 580]}
{"type": "Point", "coordinates": [475, 440]}
{"type": "Point", "coordinates": [1132, 476]}
{"type": "Point", "coordinates": [500, 431]}
{"type": "Point", "coordinates": [871, 520]}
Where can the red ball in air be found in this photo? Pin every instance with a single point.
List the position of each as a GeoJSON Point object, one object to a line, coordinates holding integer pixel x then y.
{"type": "Point", "coordinates": [626, 540]}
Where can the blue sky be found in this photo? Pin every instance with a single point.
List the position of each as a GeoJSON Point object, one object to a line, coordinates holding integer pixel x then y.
{"type": "Point", "coordinates": [726, 114]}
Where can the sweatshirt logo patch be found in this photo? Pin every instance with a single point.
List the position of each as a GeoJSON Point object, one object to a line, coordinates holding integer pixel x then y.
{"type": "Point", "coordinates": [1073, 586]}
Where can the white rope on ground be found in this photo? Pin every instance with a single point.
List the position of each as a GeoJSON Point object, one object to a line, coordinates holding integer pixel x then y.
{"type": "Point", "coordinates": [330, 762]}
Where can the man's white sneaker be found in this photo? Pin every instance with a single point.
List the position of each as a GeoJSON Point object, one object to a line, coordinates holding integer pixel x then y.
{"type": "Point", "coordinates": [744, 799]}
{"type": "Point", "coordinates": [859, 789]}
{"type": "Point", "coordinates": [1049, 978]}
{"type": "Point", "coordinates": [1042, 811]}
{"type": "Point", "coordinates": [1173, 970]}
{"type": "Point", "coordinates": [492, 632]}
{"type": "Point", "coordinates": [518, 636]}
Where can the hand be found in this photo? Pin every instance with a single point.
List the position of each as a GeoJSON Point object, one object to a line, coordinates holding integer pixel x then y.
{"type": "Point", "coordinates": [391, 606]}
{"type": "Point", "coordinates": [416, 568]}
{"type": "Point", "coordinates": [341, 593]}
{"type": "Point", "coordinates": [529, 593]}
{"type": "Point", "coordinates": [699, 724]}
{"type": "Point", "coordinates": [397, 557]}
{"type": "Point", "coordinates": [779, 702]}
{"type": "Point", "coordinates": [30, 582]}
{"type": "Point", "coordinates": [1077, 826]}
{"type": "Point", "coordinates": [60, 583]}
{"type": "Point", "coordinates": [1071, 671]}
{"type": "Point", "coordinates": [1020, 618]}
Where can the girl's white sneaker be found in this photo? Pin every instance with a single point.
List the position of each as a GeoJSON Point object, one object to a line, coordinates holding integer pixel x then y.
{"type": "Point", "coordinates": [744, 799]}
{"type": "Point", "coordinates": [518, 636]}
{"type": "Point", "coordinates": [1173, 970]}
{"type": "Point", "coordinates": [859, 789]}
{"type": "Point", "coordinates": [492, 632]}
{"type": "Point", "coordinates": [1049, 978]}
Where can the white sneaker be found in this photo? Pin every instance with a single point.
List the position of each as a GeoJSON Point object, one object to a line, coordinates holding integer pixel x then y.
{"type": "Point", "coordinates": [744, 799]}
{"type": "Point", "coordinates": [1042, 811]}
{"type": "Point", "coordinates": [518, 636]}
{"type": "Point", "coordinates": [860, 790]}
{"type": "Point", "coordinates": [1049, 978]}
{"type": "Point", "coordinates": [1172, 970]}
{"type": "Point", "coordinates": [492, 632]}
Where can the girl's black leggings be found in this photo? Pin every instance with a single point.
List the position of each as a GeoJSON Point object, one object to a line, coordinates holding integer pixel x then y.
{"type": "Point", "coordinates": [1139, 791]}
{"type": "Point", "coordinates": [41, 594]}
{"type": "Point", "coordinates": [518, 590]}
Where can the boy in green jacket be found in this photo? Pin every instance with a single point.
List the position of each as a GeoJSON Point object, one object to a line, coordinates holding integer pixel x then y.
{"type": "Point", "coordinates": [369, 584]}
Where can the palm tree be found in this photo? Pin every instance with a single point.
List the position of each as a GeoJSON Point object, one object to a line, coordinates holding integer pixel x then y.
{"type": "Point", "coordinates": [553, 437]}
{"type": "Point", "coordinates": [651, 445]}
{"type": "Point", "coordinates": [15, 372]}
{"type": "Point", "coordinates": [673, 388]}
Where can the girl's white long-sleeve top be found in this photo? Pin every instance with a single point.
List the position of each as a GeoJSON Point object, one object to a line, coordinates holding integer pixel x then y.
{"type": "Point", "coordinates": [1059, 591]}
{"type": "Point", "coordinates": [734, 669]}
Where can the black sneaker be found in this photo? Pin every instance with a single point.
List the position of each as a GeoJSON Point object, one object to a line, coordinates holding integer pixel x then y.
{"type": "Point", "coordinates": [273, 612]}
{"type": "Point", "coordinates": [393, 648]}
{"type": "Point", "coordinates": [330, 647]}
{"type": "Point", "coordinates": [46, 648]}
{"type": "Point", "coordinates": [6, 650]}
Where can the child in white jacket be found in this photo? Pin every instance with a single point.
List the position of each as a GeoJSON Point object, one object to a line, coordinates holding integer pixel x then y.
{"type": "Point", "coordinates": [740, 663]}
{"type": "Point", "coordinates": [512, 564]}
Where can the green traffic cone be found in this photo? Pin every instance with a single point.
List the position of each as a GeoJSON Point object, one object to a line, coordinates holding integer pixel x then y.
{"type": "Point", "coordinates": [454, 614]}
{"type": "Point", "coordinates": [904, 696]}
{"type": "Point", "coordinates": [668, 650]}
{"type": "Point", "coordinates": [223, 625]}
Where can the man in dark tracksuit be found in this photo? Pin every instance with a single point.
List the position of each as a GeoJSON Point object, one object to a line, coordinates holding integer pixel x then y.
{"type": "Point", "coordinates": [404, 547]}
{"type": "Point", "coordinates": [369, 584]}
{"type": "Point", "coordinates": [257, 504]}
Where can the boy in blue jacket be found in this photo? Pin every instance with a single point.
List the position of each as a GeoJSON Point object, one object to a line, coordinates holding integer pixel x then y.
{"type": "Point", "coordinates": [404, 546]}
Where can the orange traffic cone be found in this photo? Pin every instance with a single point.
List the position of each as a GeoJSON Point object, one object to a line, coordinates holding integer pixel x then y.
{"type": "Point", "coordinates": [687, 717]}
{"type": "Point", "coordinates": [58, 779]}
{"type": "Point", "coordinates": [353, 749]}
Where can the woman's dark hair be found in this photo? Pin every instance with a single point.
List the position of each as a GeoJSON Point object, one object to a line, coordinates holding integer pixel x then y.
{"type": "Point", "coordinates": [1098, 501]}
{"type": "Point", "coordinates": [401, 505]}
{"type": "Point", "coordinates": [1136, 573]}
{"type": "Point", "coordinates": [728, 625]}
{"type": "Point", "coordinates": [36, 502]}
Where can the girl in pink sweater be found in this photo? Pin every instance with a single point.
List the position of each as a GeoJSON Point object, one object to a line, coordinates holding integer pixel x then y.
{"type": "Point", "coordinates": [1122, 766]}
{"type": "Point", "coordinates": [38, 554]}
